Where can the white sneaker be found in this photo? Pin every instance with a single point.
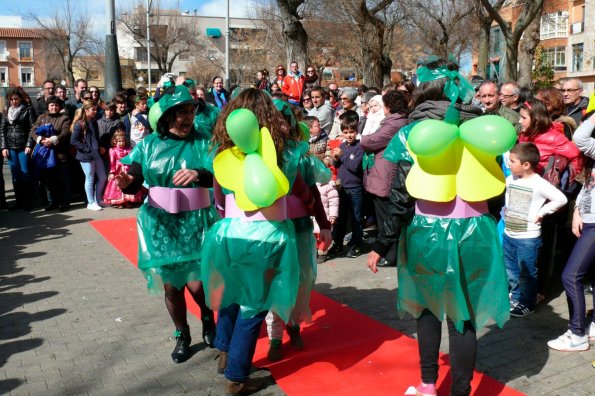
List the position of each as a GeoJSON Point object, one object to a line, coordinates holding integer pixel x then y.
{"type": "Point", "coordinates": [569, 342]}
{"type": "Point", "coordinates": [94, 206]}
{"type": "Point", "coordinates": [592, 332]}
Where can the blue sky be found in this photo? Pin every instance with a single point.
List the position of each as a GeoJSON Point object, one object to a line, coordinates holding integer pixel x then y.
{"type": "Point", "coordinates": [96, 8]}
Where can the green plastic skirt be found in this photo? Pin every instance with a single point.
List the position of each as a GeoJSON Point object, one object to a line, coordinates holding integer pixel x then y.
{"type": "Point", "coordinates": [253, 264]}
{"type": "Point", "coordinates": [453, 267]}
{"type": "Point", "coordinates": [169, 245]}
{"type": "Point", "coordinates": [306, 250]}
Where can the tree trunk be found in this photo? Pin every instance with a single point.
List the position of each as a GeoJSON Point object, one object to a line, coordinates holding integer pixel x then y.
{"type": "Point", "coordinates": [527, 52]}
{"type": "Point", "coordinates": [294, 34]}
{"type": "Point", "coordinates": [483, 50]}
{"type": "Point", "coordinates": [512, 56]}
{"type": "Point", "coordinates": [375, 65]}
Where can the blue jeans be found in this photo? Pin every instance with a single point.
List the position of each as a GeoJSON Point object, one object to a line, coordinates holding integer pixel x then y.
{"type": "Point", "coordinates": [94, 189]}
{"type": "Point", "coordinates": [580, 264]}
{"type": "Point", "coordinates": [350, 207]}
{"type": "Point", "coordinates": [237, 337]}
{"type": "Point", "coordinates": [520, 258]}
{"type": "Point", "coordinates": [20, 166]}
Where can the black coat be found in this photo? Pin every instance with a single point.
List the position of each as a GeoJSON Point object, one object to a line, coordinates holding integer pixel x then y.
{"type": "Point", "coordinates": [210, 98]}
{"type": "Point", "coordinates": [17, 135]}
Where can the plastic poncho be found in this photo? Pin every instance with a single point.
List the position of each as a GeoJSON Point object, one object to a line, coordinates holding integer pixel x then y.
{"type": "Point", "coordinates": [204, 121]}
{"type": "Point", "coordinates": [253, 263]}
{"type": "Point", "coordinates": [169, 245]}
{"type": "Point", "coordinates": [312, 171]}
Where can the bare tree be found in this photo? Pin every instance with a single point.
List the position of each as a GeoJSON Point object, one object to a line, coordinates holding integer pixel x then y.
{"type": "Point", "coordinates": [69, 31]}
{"type": "Point", "coordinates": [484, 20]}
{"type": "Point", "coordinates": [171, 34]}
{"type": "Point", "coordinates": [530, 10]}
{"type": "Point", "coordinates": [527, 49]}
{"type": "Point", "coordinates": [444, 28]}
{"type": "Point", "coordinates": [294, 34]}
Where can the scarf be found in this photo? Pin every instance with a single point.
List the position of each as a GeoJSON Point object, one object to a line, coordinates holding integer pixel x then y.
{"type": "Point", "coordinates": [436, 110]}
{"type": "Point", "coordinates": [219, 98]}
{"type": "Point", "coordinates": [13, 113]}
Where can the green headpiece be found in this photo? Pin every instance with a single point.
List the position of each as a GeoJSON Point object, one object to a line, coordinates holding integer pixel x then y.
{"type": "Point", "coordinates": [453, 90]}
{"type": "Point", "coordinates": [285, 109]}
{"type": "Point", "coordinates": [173, 96]}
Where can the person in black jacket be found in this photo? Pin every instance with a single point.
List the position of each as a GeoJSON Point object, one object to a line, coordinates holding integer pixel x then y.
{"type": "Point", "coordinates": [217, 95]}
{"type": "Point", "coordinates": [17, 145]}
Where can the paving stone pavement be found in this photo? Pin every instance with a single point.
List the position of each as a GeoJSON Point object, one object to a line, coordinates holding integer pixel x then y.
{"type": "Point", "coordinates": [75, 319]}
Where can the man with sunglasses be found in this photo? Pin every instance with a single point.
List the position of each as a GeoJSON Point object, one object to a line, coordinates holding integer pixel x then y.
{"type": "Point", "coordinates": [576, 105]}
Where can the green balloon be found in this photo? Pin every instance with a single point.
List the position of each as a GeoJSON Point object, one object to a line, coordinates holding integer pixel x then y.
{"type": "Point", "coordinates": [260, 184]}
{"type": "Point", "coordinates": [242, 127]}
{"type": "Point", "coordinates": [429, 138]}
{"type": "Point", "coordinates": [491, 134]}
{"type": "Point", "coordinates": [154, 115]}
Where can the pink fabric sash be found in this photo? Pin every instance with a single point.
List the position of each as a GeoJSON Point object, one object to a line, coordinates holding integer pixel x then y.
{"type": "Point", "coordinates": [276, 212]}
{"type": "Point", "coordinates": [296, 208]}
{"type": "Point", "coordinates": [176, 200]}
{"type": "Point", "coordinates": [455, 209]}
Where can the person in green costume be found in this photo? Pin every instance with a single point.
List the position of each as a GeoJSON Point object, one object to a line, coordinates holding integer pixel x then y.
{"type": "Point", "coordinates": [172, 224]}
{"type": "Point", "coordinates": [450, 261]}
{"type": "Point", "coordinates": [249, 259]}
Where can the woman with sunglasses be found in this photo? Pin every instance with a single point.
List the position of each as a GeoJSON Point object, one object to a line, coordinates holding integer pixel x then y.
{"type": "Point", "coordinates": [312, 78]}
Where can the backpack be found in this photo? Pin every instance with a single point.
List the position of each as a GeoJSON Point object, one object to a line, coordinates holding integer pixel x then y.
{"type": "Point", "coordinates": [560, 173]}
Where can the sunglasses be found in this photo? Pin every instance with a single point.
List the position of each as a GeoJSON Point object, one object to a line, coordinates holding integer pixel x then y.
{"type": "Point", "coordinates": [309, 71]}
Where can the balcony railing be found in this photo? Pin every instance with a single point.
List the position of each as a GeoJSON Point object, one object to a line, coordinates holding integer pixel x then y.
{"type": "Point", "coordinates": [25, 59]}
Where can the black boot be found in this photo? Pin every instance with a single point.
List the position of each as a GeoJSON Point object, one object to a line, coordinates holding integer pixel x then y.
{"type": "Point", "coordinates": [209, 329]}
{"type": "Point", "coordinates": [181, 352]}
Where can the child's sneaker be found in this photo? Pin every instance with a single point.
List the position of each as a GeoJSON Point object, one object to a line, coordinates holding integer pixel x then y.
{"type": "Point", "coordinates": [295, 338]}
{"type": "Point", "coordinates": [569, 342]}
{"type": "Point", "coordinates": [520, 311]}
{"type": "Point", "coordinates": [592, 333]}
{"type": "Point", "coordinates": [426, 390]}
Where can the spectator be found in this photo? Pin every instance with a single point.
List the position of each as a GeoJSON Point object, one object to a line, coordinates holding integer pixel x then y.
{"type": "Point", "coordinates": [488, 95]}
{"type": "Point", "coordinates": [262, 80]}
{"type": "Point", "coordinates": [312, 80]}
{"type": "Point", "coordinates": [280, 74]}
{"type": "Point", "coordinates": [576, 104]}
{"type": "Point", "coordinates": [318, 137]}
{"type": "Point", "coordinates": [137, 122]}
{"type": "Point", "coordinates": [347, 97]}
{"type": "Point", "coordinates": [218, 96]}
{"type": "Point", "coordinates": [321, 109]}
{"type": "Point", "coordinates": [293, 84]}
{"type": "Point", "coordinates": [40, 105]}
{"type": "Point", "coordinates": [510, 95]}
{"type": "Point", "coordinates": [553, 100]}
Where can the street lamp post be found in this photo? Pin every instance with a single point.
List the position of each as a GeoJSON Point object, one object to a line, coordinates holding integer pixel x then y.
{"type": "Point", "coordinates": [149, 44]}
{"type": "Point", "coordinates": [113, 75]}
{"type": "Point", "coordinates": [227, 31]}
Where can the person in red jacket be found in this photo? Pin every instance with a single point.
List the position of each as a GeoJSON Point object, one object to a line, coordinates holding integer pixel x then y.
{"type": "Point", "coordinates": [293, 84]}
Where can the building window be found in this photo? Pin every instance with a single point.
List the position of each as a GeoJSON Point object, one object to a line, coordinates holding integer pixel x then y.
{"type": "Point", "coordinates": [93, 74]}
{"type": "Point", "coordinates": [27, 76]}
{"type": "Point", "coordinates": [3, 52]}
{"type": "Point", "coordinates": [4, 76]}
{"type": "Point", "coordinates": [556, 57]}
{"type": "Point", "coordinates": [140, 54]}
{"type": "Point", "coordinates": [554, 25]}
{"type": "Point", "coordinates": [25, 51]}
{"type": "Point", "coordinates": [497, 41]}
{"type": "Point", "coordinates": [577, 57]}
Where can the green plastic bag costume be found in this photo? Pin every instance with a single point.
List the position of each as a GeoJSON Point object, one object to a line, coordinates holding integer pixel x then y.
{"type": "Point", "coordinates": [253, 263]}
{"type": "Point", "coordinates": [453, 267]}
{"type": "Point", "coordinates": [313, 171]}
{"type": "Point", "coordinates": [169, 245]}
{"type": "Point", "coordinates": [204, 121]}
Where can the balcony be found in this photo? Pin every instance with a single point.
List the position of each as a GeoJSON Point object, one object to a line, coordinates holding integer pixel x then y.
{"type": "Point", "coordinates": [25, 59]}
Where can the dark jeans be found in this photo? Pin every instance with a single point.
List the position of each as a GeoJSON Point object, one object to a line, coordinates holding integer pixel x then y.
{"type": "Point", "coordinates": [350, 208]}
{"type": "Point", "coordinates": [579, 265]}
{"type": "Point", "coordinates": [20, 166]}
{"type": "Point", "coordinates": [520, 258]}
{"type": "Point", "coordinates": [463, 351]}
{"type": "Point", "coordinates": [237, 337]}
{"type": "Point", "coordinates": [386, 222]}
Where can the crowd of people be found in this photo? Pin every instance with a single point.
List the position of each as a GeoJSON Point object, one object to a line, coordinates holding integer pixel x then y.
{"type": "Point", "coordinates": [330, 165]}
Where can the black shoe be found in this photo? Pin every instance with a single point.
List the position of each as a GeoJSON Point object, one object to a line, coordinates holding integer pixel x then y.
{"type": "Point", "coordinates": [14, 206]}
{"type": "Point", "coordinates": [52, 206]}
{"type": "Point", "coordinates": [336, 249]}
{"type": "Point", "coordinates": [354, 252]}
{"type": "Point", "coordinates": [64, 207]}
{"type": "Point", "coordinates": [320, 259]}
{"type": "Point", "coordinates": [209, 330]}
{"type": "Point", "coordinates": [181, 352]}
{"type": "Point", "coordinates": [385, 263]}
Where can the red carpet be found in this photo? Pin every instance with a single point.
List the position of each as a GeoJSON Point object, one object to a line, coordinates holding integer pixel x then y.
{"type": "Point", "coordinates": [346, 352]}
